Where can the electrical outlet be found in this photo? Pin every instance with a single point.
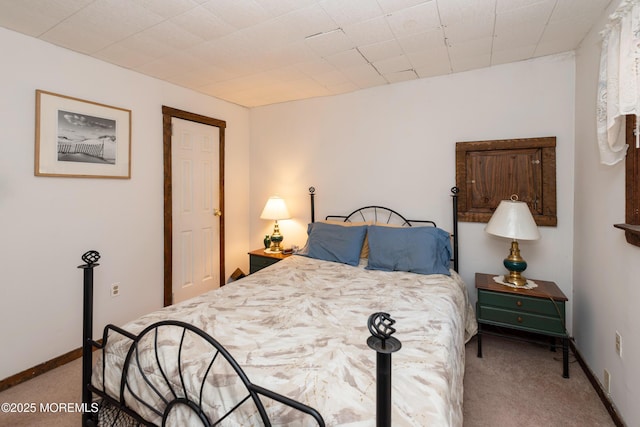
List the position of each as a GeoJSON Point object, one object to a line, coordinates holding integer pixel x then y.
{"type": "Point", "coordinates": [618, 344]}
{"type": "Point", "coordinates": [607, 382]}
{"type": "Point", "coordinates": [115, 289]}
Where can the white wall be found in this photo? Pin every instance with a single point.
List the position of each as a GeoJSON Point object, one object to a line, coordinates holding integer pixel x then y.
{"type": "Point", "coordinates": [46, 224]}
{"type": "Point", "coordinates": [395, 146]}
{"type": "Point", "coordinates": [606, 268]}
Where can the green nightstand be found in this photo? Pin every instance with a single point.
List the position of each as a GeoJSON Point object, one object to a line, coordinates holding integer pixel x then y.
{"type": "Point", "coordinates": [260, 259]}
{"type": "Point", "coordinates": [540, 310]}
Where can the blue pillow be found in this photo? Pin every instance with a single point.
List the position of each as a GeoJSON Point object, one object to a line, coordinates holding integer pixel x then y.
{"type": "Point", "coordinates": [331, 242]}
{"type": "Point", "coordinates": [422, 250]}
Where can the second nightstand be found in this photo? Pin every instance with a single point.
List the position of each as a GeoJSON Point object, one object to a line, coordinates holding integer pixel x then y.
{"type": "Point", "coordinates": [260, 259]}
{"type": "Point", "coordinates": [540, 310]}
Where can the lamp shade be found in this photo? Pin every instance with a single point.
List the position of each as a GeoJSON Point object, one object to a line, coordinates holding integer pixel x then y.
{"type": "Point", "coordinates": [513, 220]}
{"type": "Point", "coordinates": [275, 209]}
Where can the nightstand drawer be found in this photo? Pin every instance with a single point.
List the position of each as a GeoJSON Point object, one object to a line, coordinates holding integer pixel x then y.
{"type": "Point", "coordinates": [521, 320]}
{"type": "Point", "coordinates": [521, 303]}
{"type": "Point", "coordinates": [258, 263]}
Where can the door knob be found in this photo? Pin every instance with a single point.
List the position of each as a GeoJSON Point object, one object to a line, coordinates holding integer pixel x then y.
{"type": "Point", "coordinates": [217, 212]}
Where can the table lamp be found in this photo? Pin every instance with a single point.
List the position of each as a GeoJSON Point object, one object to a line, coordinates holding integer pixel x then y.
{"type": "Point", "coordinates": [512, 219]}
{"type": "Point", "coordinates": [275, 209]}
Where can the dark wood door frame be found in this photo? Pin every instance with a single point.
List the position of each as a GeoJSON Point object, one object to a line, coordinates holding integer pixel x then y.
{"type": "Point", "coordinates": [167, 114]}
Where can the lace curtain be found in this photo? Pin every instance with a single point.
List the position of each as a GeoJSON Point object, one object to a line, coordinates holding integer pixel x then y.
{"type": "Point", "coordinates": [619, 79]}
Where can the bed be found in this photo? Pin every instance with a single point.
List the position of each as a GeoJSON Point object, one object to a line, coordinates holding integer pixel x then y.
{"type": "Point", "coordinates": [299, 327]}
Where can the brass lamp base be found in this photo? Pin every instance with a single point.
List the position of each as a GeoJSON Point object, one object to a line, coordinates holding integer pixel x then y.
{"type": "Point", "coordinates": [515, 278]}
{"type": "Point", "coordinates": [516, 265]}
{"type": "Point", "coordinates": [276, 239]}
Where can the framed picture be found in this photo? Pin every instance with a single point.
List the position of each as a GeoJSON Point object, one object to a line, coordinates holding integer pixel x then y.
{"type": "Point", "coordinates": [78, 138]}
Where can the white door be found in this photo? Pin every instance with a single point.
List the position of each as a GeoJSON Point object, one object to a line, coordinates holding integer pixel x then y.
{"type": "Point", "coordinates": [195, 223]}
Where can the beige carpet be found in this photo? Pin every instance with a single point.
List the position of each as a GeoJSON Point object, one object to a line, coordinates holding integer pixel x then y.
{"type": "Point", "coordinates": [518, 383]}
{"type": "Point", "coordinates": [514, 384]}
{"type": "Point", "coordinates": [61, 385]}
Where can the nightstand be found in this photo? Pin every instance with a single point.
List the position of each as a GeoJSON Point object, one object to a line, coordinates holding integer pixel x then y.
{"type": "Point", "coordinates": [540, 310]}
{"type": "Point", "coordinates": [260, 259]}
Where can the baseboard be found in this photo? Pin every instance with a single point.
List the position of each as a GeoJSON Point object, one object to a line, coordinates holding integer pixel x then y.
{"type": "Point", "coordinates": [615, 416]}
{"type": "Point", "coordinates": [40, 369]}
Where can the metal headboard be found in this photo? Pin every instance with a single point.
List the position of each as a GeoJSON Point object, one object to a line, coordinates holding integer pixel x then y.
{"type": "Point", "coordinates": [381, 214]}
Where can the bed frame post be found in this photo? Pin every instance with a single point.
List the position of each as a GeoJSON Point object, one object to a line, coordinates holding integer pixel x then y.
{"type": "Point", "coordinates": [454, 198]}
{"type": "Point", "coordinates": [90, 258]}
{"type": "Point", "coordinates": [312, 195]}
{"type": "Point", "coordinates": [380, 326]}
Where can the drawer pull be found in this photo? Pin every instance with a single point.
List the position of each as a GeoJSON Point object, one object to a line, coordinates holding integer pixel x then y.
{"type": "Point", "coordinates": [519, 319]}
{"type": "Point", "coordinates": [519, 303]}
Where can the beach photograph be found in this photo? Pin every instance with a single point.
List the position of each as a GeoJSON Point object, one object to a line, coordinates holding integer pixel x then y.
{"type": "Point", "coordinates": [86, 139]}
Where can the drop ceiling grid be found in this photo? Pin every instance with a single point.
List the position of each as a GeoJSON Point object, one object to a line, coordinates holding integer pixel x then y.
{"type": "Point", "coordinates": [291, 49]}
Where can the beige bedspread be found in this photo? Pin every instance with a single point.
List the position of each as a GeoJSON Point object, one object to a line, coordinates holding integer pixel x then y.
{"type": "Point", "coordinates": [299, 328]}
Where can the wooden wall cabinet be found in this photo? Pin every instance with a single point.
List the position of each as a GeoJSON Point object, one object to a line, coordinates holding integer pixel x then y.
{"type": "Point", "coordinates": [631, 226]}
{"type": "Point", "coordinates": [490, 171]}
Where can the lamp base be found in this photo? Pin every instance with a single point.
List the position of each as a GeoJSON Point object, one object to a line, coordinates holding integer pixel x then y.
{"type": "Point", "coordinates": [516, 265]}
{"type": "Point", "coordinates": [515, 278]}
{"type": "Point", "coordinates": [276, 239]}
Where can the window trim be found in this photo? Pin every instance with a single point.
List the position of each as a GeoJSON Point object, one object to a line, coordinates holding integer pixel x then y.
{"type": "Point", "coordinates": [631, 226]}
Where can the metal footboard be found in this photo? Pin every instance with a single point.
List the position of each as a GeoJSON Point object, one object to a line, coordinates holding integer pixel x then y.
{"type": "Point", "coordinates": [145, 372]}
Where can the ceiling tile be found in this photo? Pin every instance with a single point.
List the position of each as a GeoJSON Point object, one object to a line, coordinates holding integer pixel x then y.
{"type": "Point", "coordinates": [203, 23]}
{"type": "Point", "coordinates": [466, 11]}
{"type": "Point", "coordinates": [315, 67]}
{"type": "Point", "coordinates": [229, 49]}
{"type": "Point", "coordinates": [292, 27]}
{"type": "Point", "coordinates": [393, 65]}
{"type": "Point", "coordinates": [414, 20]}
{"type": "Point", "coordinates": [142, 44]}
{"type": "Point", "coordinates": [329, 42]}
{"type": "Point", "coordinates": [473, 48]}
{"type": "Point", "coordinates": [560, 36]}
{"type": "Point", "coordinates": [331, 78]}
{"type": "Point", "coordinates": [466, 63]}
{"type": "Point", "coordinates": [238, 13]}
{"type": "Point", "coordinates": [434, 69]}
{"type": "Point", "coordinates": [200, 77]}
{"type": "Point", "coordinates": [124, 56]}
{"type": "Point", "coordinates": [418, 42]}
{"type": "Point", "coordinates": [101, 23]}
{"type": "Point", "coordinates": [503, 6]}
{"type": "Point", "coordinates": [401, 76]}
{"type": "Point", "coordinates": [349, 12]}
{"type": "Point", "coordinates": [281, 7]}
{"type": "Point", "coordinates": [292, 54]}
{"type": "Point", "coordinates": [380, 51]}
{"type": "Point", "coordinates": [171, 65]}
{"type": "Point", "coordinates": [523, 26]}
{"type": "Point", "coordinates": [347, 59]}
{"type": "Point", "coordinates": [515, 54]}
{"type": "Point", "coordinates": [34, 17]}
{"type": "Point", "coordinates": [426, 57]}
{"type": "Point", "coordinates": [364, 75]}
{"type": "Point", "coordinates": [167, 8]}
{"type": "Point", "coordinates": [368, 32]}
{"type": "Point", "coordinates": [390, 6]}
{"type": "Point", "coordinates": [457, 32]}
{"type": "Point", "coordinates": [287, 74]}
{"type": "Point", "coordinates": [570, 9]}
{"type": "Point", "coordinates": [345, 87]}
{"type": "Point", "coordinates": [170, 34]}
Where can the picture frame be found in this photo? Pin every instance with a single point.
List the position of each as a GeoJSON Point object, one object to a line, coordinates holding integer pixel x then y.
{"type": "Point", "coordinates": [81, 139]}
